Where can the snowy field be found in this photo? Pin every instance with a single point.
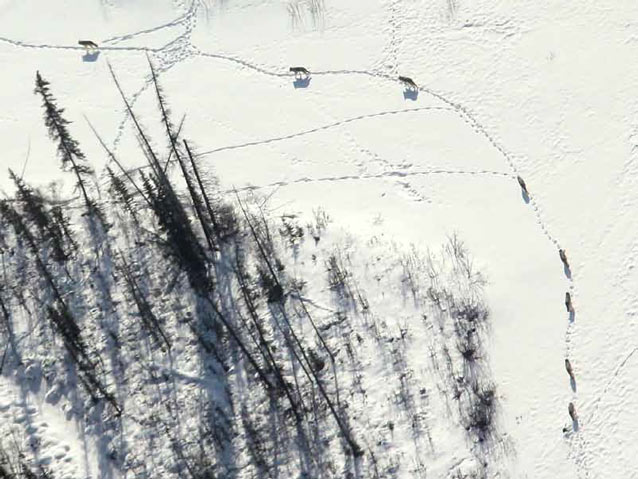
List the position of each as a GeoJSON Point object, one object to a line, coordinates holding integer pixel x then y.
{"type": "Point", "coordinates": [541, 90]}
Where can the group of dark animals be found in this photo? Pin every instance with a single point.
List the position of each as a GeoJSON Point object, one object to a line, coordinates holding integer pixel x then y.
{"type": "Point", "coordinates": [298, 71]}
{"type": "Point", "coordinates": [412, 86]}
{"type": "Point", "coordinates": [570, 309]}
{"type": "Point", "coordinates": [302, 71]}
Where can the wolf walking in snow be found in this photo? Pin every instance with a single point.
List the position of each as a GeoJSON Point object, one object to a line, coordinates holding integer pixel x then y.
{"type": "Point", "coordinates": [563, 257]}
{"type": "Point", "coordinates": [568, 367]}
{"type": "Point", "coordinates": [523, 185]}
{"type": "Point", "coordinates": [408, 82]}
{"type": "Point", "coordinates": [568, 302]}
{"type": "Point", "coordinates": [572, 411]}
{"type": "Point", "coordinates": [88, 44]}
{"type": "Point", "coordinates": [300, 71]}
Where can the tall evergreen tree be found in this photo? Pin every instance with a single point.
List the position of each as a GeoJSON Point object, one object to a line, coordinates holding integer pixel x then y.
{"type": "Point", "coordinates": [34, 207]}
{"type": "Point", "coordinates": [72, 157]}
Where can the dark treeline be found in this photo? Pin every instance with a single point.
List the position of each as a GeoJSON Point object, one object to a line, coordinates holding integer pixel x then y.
{"type": "Point", "coordinates": [91, 280]}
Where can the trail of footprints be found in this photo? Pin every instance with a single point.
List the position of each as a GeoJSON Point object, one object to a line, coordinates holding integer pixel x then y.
{"type": "Point", "coordinates": [388, 174]}
{"type": "Point", "coordinates": [391, 51]}
{"type": "Point", "coordinates": [582, 458]}
{"type": "Point", "coordinates": [165, 58]}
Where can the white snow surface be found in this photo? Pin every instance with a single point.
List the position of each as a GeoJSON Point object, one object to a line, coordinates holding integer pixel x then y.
{"type": "Point", "coordinates": [544, 90]}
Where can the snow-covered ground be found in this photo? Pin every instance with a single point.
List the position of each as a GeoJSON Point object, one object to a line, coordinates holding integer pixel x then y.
{"type": "Point", "coordinates": [542, 90]}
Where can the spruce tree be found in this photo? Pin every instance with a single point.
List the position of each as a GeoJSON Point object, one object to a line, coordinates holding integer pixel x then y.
{"type": "Point", "coordinates": [72, 157]}
{"type": "Point", "coordinates": [121, 194]}
{"type": "Point", "coordinates": [33, 205]}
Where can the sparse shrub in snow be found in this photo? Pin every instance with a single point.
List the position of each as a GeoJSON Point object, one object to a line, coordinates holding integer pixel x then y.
{"type": "Point", "coordinates": [17, 462]}
{"type": "Point", "coordinates": [302, 11]}
{"type": "Point", "coordinates": [481, 411]}
{"type": "Point", "coordinates": [339, 279]}
{"type": "Point", "coordinates": [227, 222]}
{"type": "Point", "coordinates": [272, 289]}
{"type": "Point", "coordinates": [291, 231]}
{"type": "Point", "coordinates": [319, 225]}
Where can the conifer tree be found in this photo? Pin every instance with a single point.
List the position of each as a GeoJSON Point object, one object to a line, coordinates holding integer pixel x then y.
{"type": "Point", "coordinates": [121, 193]}
{"type": "Point", "coordinates": [34, 207]}
{"type": "Point", "coordinates": [72, 157]}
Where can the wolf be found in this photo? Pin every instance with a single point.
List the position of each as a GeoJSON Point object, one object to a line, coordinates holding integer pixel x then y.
{"type": "Point", "coordinates": [408, 82]}
{"type": "Point", "coordinates": [568, 302]}
{"type": "Point", "coordinates": [300, 71]}
{"type": "Point", "coordinates": [523, 185]}
{"type": "Point", "coordinates": [572, 411]}
{"type": "Point", "coordinates": [88, 44]}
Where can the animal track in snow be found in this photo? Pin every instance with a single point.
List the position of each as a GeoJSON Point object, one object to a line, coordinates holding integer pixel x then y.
{"type": "Point", "coordinates": [390, 174]}
{"type": "Point", "coordinates": [318, 129]}
{"type": "Point", "coordinates": [184, 18]}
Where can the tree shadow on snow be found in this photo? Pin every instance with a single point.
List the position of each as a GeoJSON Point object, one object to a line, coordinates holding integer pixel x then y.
{"type": "Point", "coordinates": [218, 408]}
{"type": "Point", "coordinates": [312, 450]}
